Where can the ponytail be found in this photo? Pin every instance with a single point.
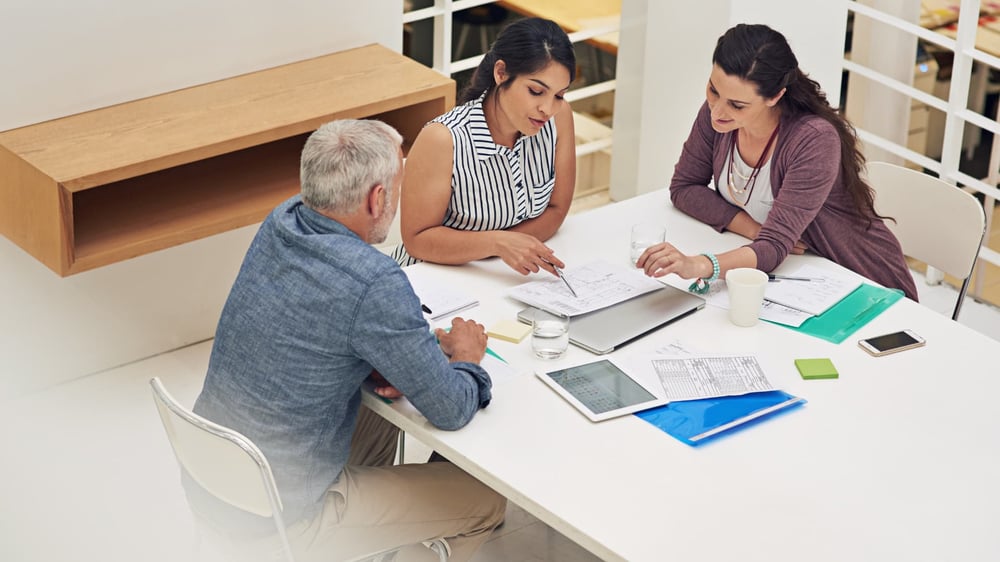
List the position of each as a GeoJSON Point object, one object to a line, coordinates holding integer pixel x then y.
{"type": "Point", "coordinates": [482, 79]}
{"type": "Point", "coordinates": [804, 96]}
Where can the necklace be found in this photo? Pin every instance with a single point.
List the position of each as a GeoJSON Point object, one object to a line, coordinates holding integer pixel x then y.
{"type": "Point", "coordinates": [740, 174]}
{"type": "Point", "coordinates": [748, 180]}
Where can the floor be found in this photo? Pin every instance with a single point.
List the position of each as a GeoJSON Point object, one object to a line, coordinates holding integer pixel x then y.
{"type": "Point", "coordinates": [88, 475]}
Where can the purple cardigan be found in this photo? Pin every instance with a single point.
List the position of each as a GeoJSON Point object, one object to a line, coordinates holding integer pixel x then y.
{"type": "Point", "coordinates": [810, 201]}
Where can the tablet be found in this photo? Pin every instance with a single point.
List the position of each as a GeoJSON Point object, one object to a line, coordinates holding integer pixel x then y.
{"type": "Point", "coordinates": [602, 390]}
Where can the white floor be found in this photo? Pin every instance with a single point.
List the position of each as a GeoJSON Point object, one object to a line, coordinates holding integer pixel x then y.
{"type": "Point", "coordinates": [86, 472]}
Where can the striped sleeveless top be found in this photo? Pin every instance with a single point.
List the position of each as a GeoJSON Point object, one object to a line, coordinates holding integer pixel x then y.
{"type": "Point", "coordinates": [493, 187]}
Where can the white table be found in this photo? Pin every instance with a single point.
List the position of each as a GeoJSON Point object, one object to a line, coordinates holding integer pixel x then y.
{"type": "Point", "coordinates": [895, 460]}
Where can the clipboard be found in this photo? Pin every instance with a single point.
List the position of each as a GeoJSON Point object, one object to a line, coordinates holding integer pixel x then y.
{"type": "Point", "coordinates": [850, 314]}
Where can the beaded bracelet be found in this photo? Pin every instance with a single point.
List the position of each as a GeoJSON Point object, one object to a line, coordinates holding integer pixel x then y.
{"type": "Point", "coordinates": [701, 285]}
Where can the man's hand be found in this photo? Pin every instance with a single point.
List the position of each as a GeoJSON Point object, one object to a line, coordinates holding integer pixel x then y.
{"type": "Point", "coordinates": [382, 386]}
{"type": "Point", "coordinates": [465, 342]}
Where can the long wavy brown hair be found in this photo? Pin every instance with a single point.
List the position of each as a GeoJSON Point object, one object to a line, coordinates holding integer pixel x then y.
{"type": "Point", "coordinates": [761, 55]}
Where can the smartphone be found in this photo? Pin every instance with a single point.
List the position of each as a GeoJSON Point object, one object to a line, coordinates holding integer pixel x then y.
{"type": "Point", "coordinates": [891, 343]}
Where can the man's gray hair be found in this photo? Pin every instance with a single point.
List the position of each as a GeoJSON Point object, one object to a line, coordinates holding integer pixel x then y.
{"type": "Point", "coordinates": [344, 159]}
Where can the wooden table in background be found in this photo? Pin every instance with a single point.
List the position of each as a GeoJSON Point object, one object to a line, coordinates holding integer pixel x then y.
{"type": "Point", "coordinates": [574, 15]}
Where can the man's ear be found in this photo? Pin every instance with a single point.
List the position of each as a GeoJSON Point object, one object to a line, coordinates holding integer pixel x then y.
{"type": "Point", "coordinates": [376, 201]}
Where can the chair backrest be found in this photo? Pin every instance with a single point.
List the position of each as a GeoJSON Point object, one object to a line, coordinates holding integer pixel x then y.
{"type": "Point", "coordinates": [935, 222]}
{"type": "Point", "coordinates": [225, 463]}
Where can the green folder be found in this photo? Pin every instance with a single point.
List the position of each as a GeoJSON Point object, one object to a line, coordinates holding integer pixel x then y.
{"type": "Point", "coordinates": [850, 314]}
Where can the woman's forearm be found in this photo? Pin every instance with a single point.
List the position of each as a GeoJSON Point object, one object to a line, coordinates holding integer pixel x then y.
{"type": "Point", "coordinates": [442, 244]}
{"type": "Point", "coordinates": [744, 225]}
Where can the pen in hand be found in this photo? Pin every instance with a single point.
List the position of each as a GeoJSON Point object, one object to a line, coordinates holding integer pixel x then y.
{"type": "Point", "coordinates": [566, 281]}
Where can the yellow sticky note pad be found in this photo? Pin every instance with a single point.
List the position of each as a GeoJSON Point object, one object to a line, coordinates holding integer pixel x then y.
{"type": "Point", "coordinates": [509, 330]}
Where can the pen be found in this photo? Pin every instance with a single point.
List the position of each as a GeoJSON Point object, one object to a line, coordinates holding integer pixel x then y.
{"type": "Point", "coordinates": [773, 277]}
{"type": "Point", "coordinates": [564, 280]}
{"type": "Point", "coordinates": [425, 309]}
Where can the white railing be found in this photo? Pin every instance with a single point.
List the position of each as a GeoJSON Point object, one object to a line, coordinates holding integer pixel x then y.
{"type": "Point", "coordinates": [441, 13]}
{"type": "Point", "coordinates": [955, 108]}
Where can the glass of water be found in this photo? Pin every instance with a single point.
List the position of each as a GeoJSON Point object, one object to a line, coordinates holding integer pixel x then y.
{"type": "Point", "coordinates": [644, 235]}
{"type": "Point", "coordinates": [549, 334]}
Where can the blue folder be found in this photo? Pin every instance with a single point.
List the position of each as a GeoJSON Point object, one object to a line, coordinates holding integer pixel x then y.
{"type": "Point", "coordinates": [698, 421]}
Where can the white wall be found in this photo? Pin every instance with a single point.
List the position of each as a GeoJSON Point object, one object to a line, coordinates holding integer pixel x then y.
{"type": "Point", "coordinates": [663, 64]}
{"type": "Point", "coordinates": [70, 56]}
{"type": "Point", "coordinates": [64, 57]}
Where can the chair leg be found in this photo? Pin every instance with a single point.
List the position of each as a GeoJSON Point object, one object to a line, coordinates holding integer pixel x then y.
{"type": "Point", "coordinates": [933, 276]}
{"type": "Point", "coordinates": [463, 36]}
{"type": "Point", "coordinates": [440, 546]}
{"type": "Point", "coordinates": [402, 447]}
{"type": "Point", "coordinates": [961, 297]}
{"type": "Point", "coordinates": [484, 39]}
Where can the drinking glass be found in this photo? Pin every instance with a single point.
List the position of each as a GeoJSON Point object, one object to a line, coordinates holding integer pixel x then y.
{"type": "Point", "coordinates": [645, 235]}
{"type": "Point", "coordinates": [549, 334]}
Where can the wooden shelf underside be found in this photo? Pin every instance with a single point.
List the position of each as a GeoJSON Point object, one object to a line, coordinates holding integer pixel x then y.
{"type": "Point", "coordinates": [148, 213]}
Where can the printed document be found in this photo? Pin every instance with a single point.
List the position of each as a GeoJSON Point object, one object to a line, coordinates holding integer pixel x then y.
{"type": "Point", "coordinates": [701, 376]}
{"type": "Point", "coordinates": [597, 285]}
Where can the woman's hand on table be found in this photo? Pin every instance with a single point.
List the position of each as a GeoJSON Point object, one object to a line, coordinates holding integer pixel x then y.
{"type": "Point", "coordinates": [663, 259]}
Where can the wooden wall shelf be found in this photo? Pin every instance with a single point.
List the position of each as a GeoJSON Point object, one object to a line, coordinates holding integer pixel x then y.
{"type": "Point", "coordinates": [107, 185]}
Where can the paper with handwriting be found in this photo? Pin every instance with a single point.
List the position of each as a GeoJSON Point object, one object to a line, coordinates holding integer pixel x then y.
{"type": "Point", "coordinates": [598, 285]}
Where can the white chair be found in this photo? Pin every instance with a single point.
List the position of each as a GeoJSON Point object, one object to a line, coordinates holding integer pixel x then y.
{"type": "Point", "coordinates": [232, 468]}
{"type": "Point", "coordinates": [936, 222]}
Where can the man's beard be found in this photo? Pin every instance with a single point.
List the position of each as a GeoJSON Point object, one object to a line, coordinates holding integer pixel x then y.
{"type": "Point", "coordinates": [380, 231]}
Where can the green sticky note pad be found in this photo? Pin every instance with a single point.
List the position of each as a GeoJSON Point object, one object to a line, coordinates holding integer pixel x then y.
{"type": "Point", "coordinates": [816, 368]}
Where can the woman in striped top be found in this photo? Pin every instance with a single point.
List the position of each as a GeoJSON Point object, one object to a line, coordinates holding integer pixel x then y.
{"type": "Point", "coordinates": [495, 175]}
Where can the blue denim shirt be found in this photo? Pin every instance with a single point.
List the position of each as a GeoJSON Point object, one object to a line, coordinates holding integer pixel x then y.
{"type": "Point", "coordinates": [313, 310]}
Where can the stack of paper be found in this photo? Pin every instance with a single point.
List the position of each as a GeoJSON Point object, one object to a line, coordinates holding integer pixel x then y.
{"type": "Point", "coordinates": [821, 289]}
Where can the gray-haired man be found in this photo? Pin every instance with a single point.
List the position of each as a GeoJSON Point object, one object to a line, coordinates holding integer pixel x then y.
{"type": "Point", "coordinates": [314, 311]}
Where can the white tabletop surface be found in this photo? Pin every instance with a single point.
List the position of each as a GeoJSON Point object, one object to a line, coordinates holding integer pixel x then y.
{"type": "Point", "coordinates": [895, 460]}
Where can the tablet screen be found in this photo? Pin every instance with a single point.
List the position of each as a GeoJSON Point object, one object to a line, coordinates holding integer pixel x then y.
{"type": "Point", "coordinates": [601, 386]}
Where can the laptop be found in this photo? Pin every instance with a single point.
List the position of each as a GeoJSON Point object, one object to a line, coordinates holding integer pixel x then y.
{"type": "Point", "coordinates": [607, 329]}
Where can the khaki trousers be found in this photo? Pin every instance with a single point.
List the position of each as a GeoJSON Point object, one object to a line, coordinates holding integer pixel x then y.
{"type": "Point", "coordinates": [375, 505]}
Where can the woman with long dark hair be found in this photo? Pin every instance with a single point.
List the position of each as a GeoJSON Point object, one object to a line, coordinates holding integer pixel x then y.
{"type": "Point", "coordinates": [787, 171]}
{"type": "Point", "coordinates": [495, 175]}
